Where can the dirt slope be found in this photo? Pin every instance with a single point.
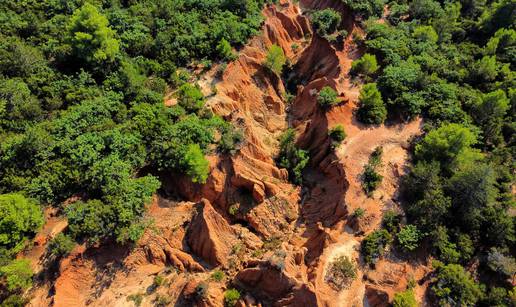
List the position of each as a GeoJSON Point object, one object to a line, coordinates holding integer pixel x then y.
{"type": "Point", "coordinates": [277, 242]}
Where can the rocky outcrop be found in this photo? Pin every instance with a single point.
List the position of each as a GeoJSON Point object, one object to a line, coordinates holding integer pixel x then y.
{"type": "Point", "coordinates": [210, 236]}
{"type": "Point", "coordinates": [281, 280]}
{"type": "Point", "coordinates": [376, 297]}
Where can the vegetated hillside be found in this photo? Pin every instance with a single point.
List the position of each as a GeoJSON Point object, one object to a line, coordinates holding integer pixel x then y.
{"type": "Point", "coordinates": [82, 114]}
{"type": "Point", "coordinates": [84, 130]}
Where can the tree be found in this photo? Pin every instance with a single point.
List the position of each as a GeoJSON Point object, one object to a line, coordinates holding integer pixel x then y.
{"type": "Point", "coordinates": [450, 145]}
{"type": "Point", "coordinates": [291, 157]}
{"type": "Point", "coordinates": [484, 70]}
{"type": "Point", "coordinates": [367, 8]}
{"type": "Point", "coordinates": [490, 114]}
{"type": "Point", "coordinates": [225, 51]}
{"type": "Point", "coordinates": [275, 59]}
{"type": "Point", "coordinates": [366, 65]}
{"type": "Point", "coordinates": [231, 296]}
{"type": "Point", "coordinates": [90, 36]}
{"type": "Point", "coordinates": [18, 274]}
{"type": "Point", "coordinates": [197, 167]}
{"type": "Point", "coordinates": [472, 189]}
{"type": "Point", "coordinates": [327, 97]}
{"type": "Point", "coordinates": [404, 299]}
{"type": "Point", "coordinates": [408, 237]}
{"type": "Point", "coordinates": [501, 263]}
{"type": "Point", "coordinates": [337, 134]}
{"type": "Point", "coordinates": [374, 245]}
{"type": "Point", "coordinates": [61, 245]}
{"type": "Point", "coordinates": [190, 98]}
{"type": "Point", "coordinates": [371, 107]}
{"type": "Point", "coordinates": [20, 219]}
{"type": "Point", "coordinates": [454, 285]}
{"type": "Point", "coordinates": [325, 21]}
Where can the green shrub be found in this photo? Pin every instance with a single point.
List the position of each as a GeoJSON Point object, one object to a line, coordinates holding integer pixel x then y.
{"type": "Point", "coordinates": [325, 21]}
{"type": "Point", "coordinates": [275, 59]}
{"type": "Point", "coordinates": [18, 275]}
{"type": "Point", "coordinates": [218, 275]}
{"type": "Point", "coordinates": [136, 299]}
{"type": "Point", "coordinates": [233, 209]}
{"type": "Point", "coordinates": [408, 237]}
{"type": "Point", "coordinates": [370, 178]}
{"type": "Point", "coordinates": [225, 51]}
{"type": "Point", "coordinates": [21, 218]}
{"type": "Point", "coordinates": [358, 213]}
{"type": "Point", "coordinates": [366, 8]}
{"type": "Point", "coordinates": [61, 245]}
{"type": "Point", "coordinates": [391, 221]}
{"type": "Point", "coordinates": [190, 97]}
{"type": "Point", "coordinates": [366, 65]}
{"type": "Point", "coordinates": [404, 299]}
{"type": "Point", "coordinates": [231, 296]}
{"type": "Point", "coordinates": [371, 107]}
{"type": "Point", "coordinates": [337, 135]}
{"type": "Point", "coordinates": [158, 281]}
{"type": "Point", "coordinates": [197, 167]}
{"type": "Point", "coordinates": [291, 157]}
{"type": "Point", "coordinates": [341, 272]}
{"type": "Point", "coordinates": [90, 36]}
{"type": "Point", "coordinates": [374, 245]}
{"type": "Point", "coordinates": [327, 97]}
{"type": "Point", "coordinates": [454, 284]}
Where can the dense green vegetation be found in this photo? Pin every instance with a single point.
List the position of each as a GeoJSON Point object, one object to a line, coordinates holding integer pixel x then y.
{"type": "Point", "coordinates": [82, 86]}
{"type": "Point", "coordinates": [451, 62]}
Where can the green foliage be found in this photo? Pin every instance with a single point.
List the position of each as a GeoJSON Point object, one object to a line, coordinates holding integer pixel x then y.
{"type": "Point", "coordinates": [20, 219]}
{"type": "Point", "coordinates": [190, 98]}
{"type": "Point", "coordinates": [225, 51]}
{"type": "Point", "coordinates": [500, 263]}
{"type": "Point", "coordinates": [158, 281]}
{"type": "Point", "coordinates": [490, 113]}
{"type": "Point", "coordinates": [454, 284]}
{"type": "Point", "coordinates": [366, 65]}
{"type": "Point", "coordinates": [90, 36]}
{"type": "Point", "coordinates": [404, 299]}
{"type": "Point", "coordinates": [366, 9]}
{"type": "Point", "coordinates": [197, 167]}
{"type": "Point", "coordinates": [18, 274]}
{"type": "Point", "coordinates": [341, 272]}
{"type": "Point", "coordinates": [374, 245]}
{"type": "Point", "coordinates": [137, 299]}
{"type": "Point", "coordinates": [370, 177]}
{"type": "Point", "coordinates": [372, 109]}
{"type": "Point", "coordinates": [231, 296]}
{"type": "Point", "coordinates": [391, 221]}
{"type": "Point", "coordinates": [218, 275]}
{"type": "Point", "coordinates": [325, 21]}
{"type": "Point", "coordinates": [291, 157]}
{"type": "Point", "coordinates": [358, 213]}
{"type": "Point", "coordinates": [275, 59]}
{"type": "Point", "coordinates": [327, 97]}
{"type": "Point", "coordinates": [61, 245]}
{"type": "Point", "coordinates": [408, 237]}
{"type": "Point", "coordinates": [450, 145]}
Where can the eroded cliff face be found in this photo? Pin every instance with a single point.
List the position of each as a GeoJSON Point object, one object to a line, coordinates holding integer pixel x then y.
{"type": "Point", "coordinates": [272, 239]}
